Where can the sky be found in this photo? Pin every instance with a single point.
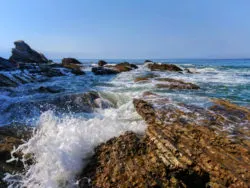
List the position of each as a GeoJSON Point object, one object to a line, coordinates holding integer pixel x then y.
{"type": "Point", "coordinates": [128, 29]}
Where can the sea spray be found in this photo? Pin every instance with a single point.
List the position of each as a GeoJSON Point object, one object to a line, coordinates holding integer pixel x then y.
{"type": "Point", "coordinates": [62, 146]}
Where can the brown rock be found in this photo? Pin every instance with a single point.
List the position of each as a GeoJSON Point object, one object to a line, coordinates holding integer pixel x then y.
{"type": "Point", "coordinates": [102, 63]}
{"type": "Point", "coordinates": [164, 67]}
{"type": "Point", "coordinates": [175, 84]}
{"type": "Point", "coordinates": [74, 65]}
{"type": "Point", "coordinates": [145, 77]}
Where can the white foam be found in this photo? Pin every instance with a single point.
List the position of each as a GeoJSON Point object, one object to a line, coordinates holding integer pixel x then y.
{"type": "Point", "coordinates": [61, 146]}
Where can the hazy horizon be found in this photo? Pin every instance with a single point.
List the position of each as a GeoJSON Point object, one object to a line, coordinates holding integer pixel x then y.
{"type": "Point", "coordinates": [128, 29]}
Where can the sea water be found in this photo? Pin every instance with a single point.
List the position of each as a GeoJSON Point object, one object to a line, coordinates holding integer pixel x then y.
{"type": "Point", "coordinates": [63, 142]}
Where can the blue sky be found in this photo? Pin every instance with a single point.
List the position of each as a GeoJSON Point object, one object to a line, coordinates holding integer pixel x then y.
{"type": "Point", "coordinates": [128, 28]}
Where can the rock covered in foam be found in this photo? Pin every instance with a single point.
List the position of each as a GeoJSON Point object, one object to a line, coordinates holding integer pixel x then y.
{"type": "Point", "coordinates": [24, 53]}
{"type": "Point", "coordinates": [184, 146]}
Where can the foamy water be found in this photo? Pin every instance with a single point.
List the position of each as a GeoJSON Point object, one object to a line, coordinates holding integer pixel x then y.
{"type": "Point", "coordinates": [63, 143]}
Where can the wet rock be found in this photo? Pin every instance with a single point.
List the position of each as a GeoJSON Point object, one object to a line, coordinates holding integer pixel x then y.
{"type": "Point", "coordinates": [73, 64]}
{"type": "Point", "coordinates": [7, 65]}
{"type": "Point", "coordinates": [102, 63]}
{"type": "Point", "coordinates": [164, 67]}
{"type": "Point", "coordinates": [24, 53]}
{"type": "Point", "coordinates": [104, 71]}
{"type": "Point", "coordinates": [49, 89]}
{"type": "Point", "coordinates": [184, 146]}
{"type": "Point", "coordinates": [148, 61]}
{"type": "Point", "coordinates": [144, 78]}
{"type": "Point", "coordinates": [175, 84]}
{"type": "Point", "coordinates": [125, 66]}
{"type": "Point", "coordinates": [5, 81]}
{"type": "Point", "coordinates": [11, 136]}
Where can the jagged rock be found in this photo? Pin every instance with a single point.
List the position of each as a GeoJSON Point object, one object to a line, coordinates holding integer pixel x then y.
{"type": "Point", "coordinates": [11, 136]}
{"type": "Point", "coordinates": [164, 67]}
{"type": "Point", "coordinates": [184, 146]}
{"type": "Point", "coordinates": [102, 63]}
{"type": "Point", "coordinates": [5, 81]}
{"type": "Point", "coordinates": [73, 64]}
{"type": "Point", "coordinates": [144, 78]}
{"type": "Point", "coordinates": [23, 53]}
{"type": "Point", "coordinates": [7, 65]}
{"type": "Point", "coordinates": [175, 84]}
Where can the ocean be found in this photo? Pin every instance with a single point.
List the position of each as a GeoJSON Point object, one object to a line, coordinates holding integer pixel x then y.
{"type": "Point", "coordinates": [66, 140]}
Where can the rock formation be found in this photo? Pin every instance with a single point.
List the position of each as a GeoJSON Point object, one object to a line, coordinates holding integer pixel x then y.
{"type": "Point", "coordinates": [102, 63]}
{"type": "Point", "coordinates": [164, 67]}
{"type": "Point", "coordinates": [175, 84]}
{"type": "Point", "coordinates": [24, 53]}
{"type": "Point", "coordinates": [184, 146]}
{"type": "Point", "coordinates": [73, 64]}
{"type": "Point", "coordinates": [7, 65]}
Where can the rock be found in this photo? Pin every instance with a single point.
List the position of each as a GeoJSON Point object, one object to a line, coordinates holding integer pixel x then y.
{"type": "Point", "coordinates": [73, 64]}
{"type": "Point", "coordinates": [104, 71]}
{"type": "Point", "coordinates": [175, 84]}
{"type": "Point", "coordinates": [164, 67]}
{"type": "Point", "coordinates": [11, 136]}
{"type": "Point", "coordinates": [23, 53]}
{"type": "Point", "coordinates": [49, 89]}
{"type": "Point", "coordinates": [144, 78]}
{"type": "Point", "coordinates": [102, 63]}
{"type": "Point", "coordinates": [148, 61]}
{"type": "Point", "coordinates": [184, 146]}
{"type": "Point", "coordinates": [7, 65]}
{"type": "Point", "coordinates": [5, 81]}
{"type": "Point", "coordinates": [68, 61]}
{"type": "Point", "coordinates": [190, 70]}
{"type": "Point", "coordinates": [52, 72]}
{"type": "Point", "coordinates": [125, 66]}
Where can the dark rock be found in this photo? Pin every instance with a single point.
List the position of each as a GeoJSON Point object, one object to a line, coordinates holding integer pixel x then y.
{"type": "Point", "coordinates": [52, 72]}
{"type": "Point", "coordinates": [73, 64]}
{"type": "Point", "coordinates": [68, 61]}
{"type": "Point", "coordinates": [102, 63]}
{"type": "Point", "coordinates": [148, 61]}
{"type": "Point", "coordinates": [5, 81]}
{"type": "Point", "coordinates": [144, 78]}
{"type": "Point", "coordinates": [7, 65]}
{"type": "Point", "coordinates": [49, 89]}
{"type": "Point", "coordinates": [164, 67]}
{"type": "Point", "coordinates": [104, 71]}
{"type": "Point", "coordinates": [175, 84]}
{"type": "Point", "coordinates": [125, 66]}
{"type": "Point", "coordinates": [23, 53]}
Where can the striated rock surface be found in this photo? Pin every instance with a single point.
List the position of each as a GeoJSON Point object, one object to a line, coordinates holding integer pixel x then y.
{"type": "Point", "coordinates": [164, 67]}
{"type": "Point", "coordinates": [24, 53]}
{"type": "Point", "coordinates": [184, 146]}
{"type": "Point", "coordinates": [171, 83]}
{"type": "Point", "coordinates": [7, 65]}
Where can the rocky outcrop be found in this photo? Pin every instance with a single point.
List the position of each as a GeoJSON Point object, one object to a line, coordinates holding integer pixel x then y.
{"type": "Point", "coordinates": [7, 65]}
{"type": "Point", "coordinates": [24, 53]}
{"type": "Point", "coordinates": [145, 78]}
{"type": "Point", "coordinates": [11, 136]}
{"type": "Point", "coordinates": [148, 61]}
{"type": "Point", "coordinates": [113, 69]}
{"type": "Point", "coordinates": [184, 146]}
{"type": "Point", "coordinates": [73, 64]}
{"type": "Point", "coordinates": [102, 63]}
{"type": "Point", "coordinates": [171, 83]}
{"type": "Point", "coordinates": [164, 67]}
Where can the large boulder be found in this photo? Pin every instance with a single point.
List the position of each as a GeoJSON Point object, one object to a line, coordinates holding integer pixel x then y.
{"type": "Point", "coordinates": [73, 64]}
{"type": "Point", "coordinates": [6, 64]}
{"type": "Point", "coordinates": [164, 67]}
{"type": "Point", "coordinates": [24, 53]}
{"type": "Point", "coordinates": [102, 63]}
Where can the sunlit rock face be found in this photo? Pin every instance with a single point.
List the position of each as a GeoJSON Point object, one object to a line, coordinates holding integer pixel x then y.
{"type": "Point", "coordinates": [184, 146]}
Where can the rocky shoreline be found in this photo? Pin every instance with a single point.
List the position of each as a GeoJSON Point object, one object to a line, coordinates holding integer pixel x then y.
{"type": "Point", "coordinates": [183, 146]}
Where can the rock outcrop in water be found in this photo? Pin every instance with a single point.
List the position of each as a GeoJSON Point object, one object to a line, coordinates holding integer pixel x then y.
{"type": "Point", "coordinates": [113, 69]}
{"type": "Point", "coordinates": [102, 63]}
{"type": "Point", "coordinates": [184, 146]}
{"type": "Point", "coordinates": [171, 83]}
{"type": "Point", "coordinates": [7, 65]}
{"type": "Point", "coordinates": [164, 67]}
{"type": "Point", "coordinates": [73, 64]}
{"type": "Point", "coordinates": [24, 53]}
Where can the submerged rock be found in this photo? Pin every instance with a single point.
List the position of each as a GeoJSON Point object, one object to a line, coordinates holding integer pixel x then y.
{"type": "Point", "coordinates": [24, 53]}
{"type": "Point", "coordinates": [5, 81]}
{"type": "Point", "coordinates": [49, 89]}
{"type": "Point", "coordinates": [184, 146]}
{"type": "Point", "coordinates": [7, 65]}
{"type": "Point", "coordinates": [164, 67]}
{"type": "Point", "coordinates": [175, 84]}
{"type": "Point", "coordinates": [104, 71]}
